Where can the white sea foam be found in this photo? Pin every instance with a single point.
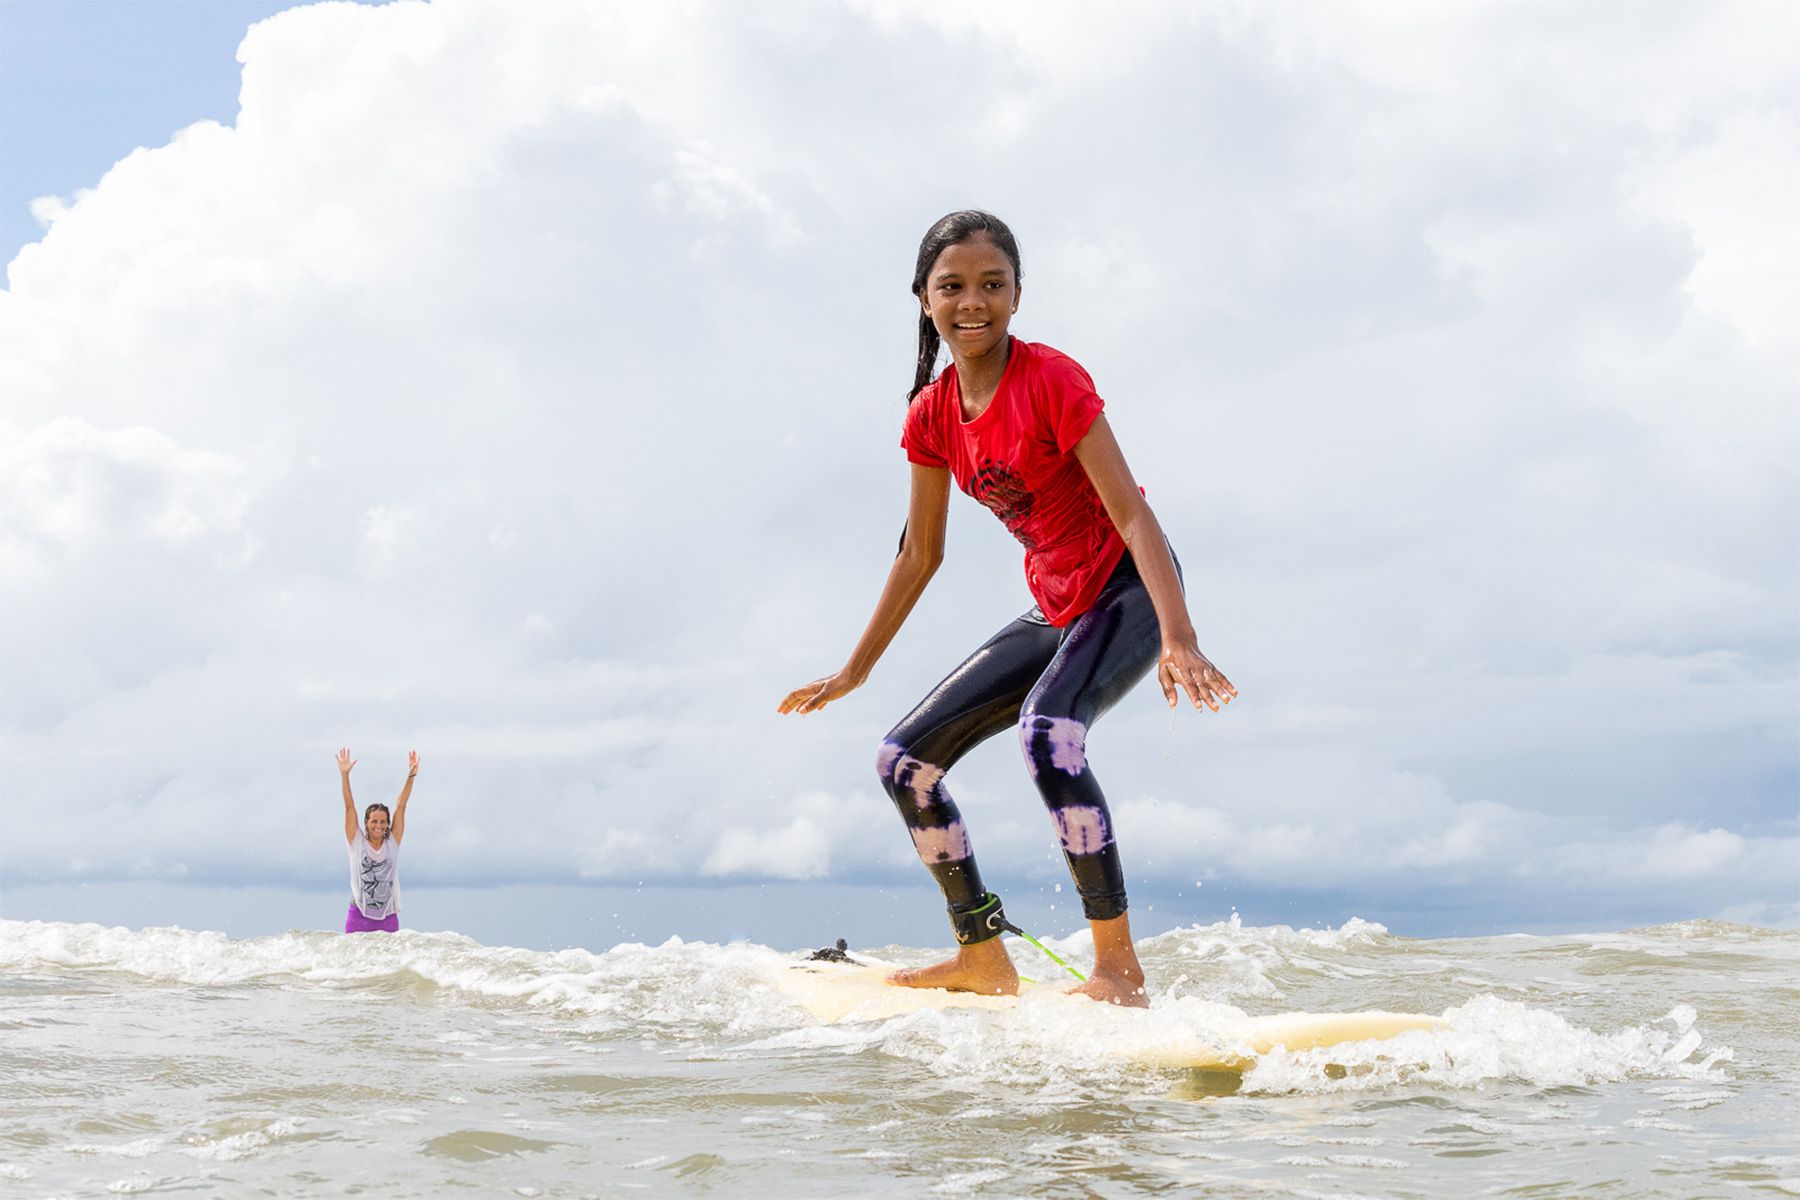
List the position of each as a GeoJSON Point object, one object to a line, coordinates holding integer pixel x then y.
{"type": "Point", "coordinates": [240, 1145]}
{"type": "Point", "coordinates": [1228, 960]}
{"type": "Point", "coordinates": [1491, 1038]}
{"type": "Point", "coordinates": [676, 985]}
{"type": "Point", "coordinates": [689, 990]}
{"type": "Point", "coordinates": [1344, 1160]}
{"type": "Point", "coordinates": [136, 1148]}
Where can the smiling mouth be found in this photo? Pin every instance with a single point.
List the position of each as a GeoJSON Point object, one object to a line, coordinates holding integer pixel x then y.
{"type": "Point", "coordinates": [973, 327]}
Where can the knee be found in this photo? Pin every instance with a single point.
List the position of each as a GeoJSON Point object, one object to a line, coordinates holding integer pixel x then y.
{"type": "Point", "coordinates": [887, 756]}
{"type": "Point", "coordinates": [1053, 742]}
{"type": "Point", "coordinates": [904, 774]}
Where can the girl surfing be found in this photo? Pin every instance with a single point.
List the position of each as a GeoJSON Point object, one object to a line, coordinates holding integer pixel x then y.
{"type": "Point", "coordinates": [374, 849]}
{"type": "Point", "coordinates": [1022, 430]}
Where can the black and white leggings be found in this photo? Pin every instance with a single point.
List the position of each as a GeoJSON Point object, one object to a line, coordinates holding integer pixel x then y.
{"type": "Point", "coordinates": [1052, 685]}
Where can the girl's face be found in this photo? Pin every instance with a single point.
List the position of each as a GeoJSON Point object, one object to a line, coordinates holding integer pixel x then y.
{"type": "Point", "coordinates": [375, 825]}
{"type": "Point", "coordinates": [971, 296]}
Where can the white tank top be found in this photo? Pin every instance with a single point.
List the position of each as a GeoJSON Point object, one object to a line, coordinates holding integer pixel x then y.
{"type": "Point", "coordinates": [374, 877]}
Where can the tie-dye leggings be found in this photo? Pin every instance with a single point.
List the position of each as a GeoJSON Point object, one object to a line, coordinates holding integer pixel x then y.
{"type": "Point", "coordinates": [1051, 684]}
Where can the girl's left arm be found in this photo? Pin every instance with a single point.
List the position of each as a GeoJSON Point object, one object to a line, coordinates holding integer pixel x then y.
{"type": "Point", "coordinates": [412, 768]}
{"type": "Point", "coordinates": [1181, 663]}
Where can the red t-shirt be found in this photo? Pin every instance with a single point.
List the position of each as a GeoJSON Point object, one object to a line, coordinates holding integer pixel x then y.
{"type": "Point", "coordinates": [1016, 458]}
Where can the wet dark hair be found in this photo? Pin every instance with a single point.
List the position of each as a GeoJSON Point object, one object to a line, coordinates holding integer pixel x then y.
{"type": "Point", "coordinates": [372, 808]}
{"type": "Point", "coordinates": [953, 229]}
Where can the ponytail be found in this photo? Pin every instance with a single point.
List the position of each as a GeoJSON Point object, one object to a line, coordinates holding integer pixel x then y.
{"type": "Point", "coordinates": [928, 352]}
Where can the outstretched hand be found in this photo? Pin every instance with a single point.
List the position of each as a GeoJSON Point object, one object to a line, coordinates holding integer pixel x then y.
{"type": "Point", "coordinates": [345, 762]}
{"type": "Point", "coordinates": [818, 693]}
{"type": "Point", "coordinates": [1185, 668]}
{"type": "Point", "coordinates": [412, 763]}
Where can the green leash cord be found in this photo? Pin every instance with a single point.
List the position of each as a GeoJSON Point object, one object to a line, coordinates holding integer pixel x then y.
{"type": "Point", "coordinates": [1051, 954]}
{"type": "Point", "coordinates": [987, 918]}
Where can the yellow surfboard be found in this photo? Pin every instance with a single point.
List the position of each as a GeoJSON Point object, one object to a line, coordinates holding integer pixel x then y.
{"type": "Point", "coordinates": [1228, 1040]}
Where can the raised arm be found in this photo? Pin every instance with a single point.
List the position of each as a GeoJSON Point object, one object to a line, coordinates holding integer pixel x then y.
{"type": "Point", "coordinates": [398, 833]}
{"type": "Point", "coordinates": [1181, 664]}
{"type": "Point", "coordinates": [921, 553]}
{"type": "Point", "coordinates": [345, 762]}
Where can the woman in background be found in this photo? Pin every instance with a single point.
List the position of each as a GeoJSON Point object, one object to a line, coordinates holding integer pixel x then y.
{"type": "Point", "coordinates": [374, 849]}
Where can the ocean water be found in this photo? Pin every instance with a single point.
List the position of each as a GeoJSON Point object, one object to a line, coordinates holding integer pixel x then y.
{"type": "Point", "coordinates": [1655, 1062]}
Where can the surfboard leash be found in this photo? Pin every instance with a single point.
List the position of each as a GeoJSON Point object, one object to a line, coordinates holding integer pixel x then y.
{"type": "Point", "coordinates": [986, 919]}
{"type": "Point", "coordinates": [1051, 954]}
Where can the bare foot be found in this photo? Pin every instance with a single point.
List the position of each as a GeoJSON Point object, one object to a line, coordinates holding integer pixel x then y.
{"type": "Point", "coordinates": [1124, 988]}
{"type": "Point", "coordinates": [984, 968]}
{"type": "Point", "coordinates": [1117, 977]}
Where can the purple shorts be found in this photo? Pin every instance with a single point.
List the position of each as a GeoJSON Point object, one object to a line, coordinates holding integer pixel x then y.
{"type": "Point", "coordinates": [355, 922]}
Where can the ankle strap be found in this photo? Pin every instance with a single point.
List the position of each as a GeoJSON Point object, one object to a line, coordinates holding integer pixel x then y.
{"type": "Point", "coordinates": [985, 920]}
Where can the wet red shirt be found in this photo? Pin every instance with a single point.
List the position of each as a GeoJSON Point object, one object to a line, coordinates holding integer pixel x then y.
{"type": "Point", "coordinates": [1017, 458]}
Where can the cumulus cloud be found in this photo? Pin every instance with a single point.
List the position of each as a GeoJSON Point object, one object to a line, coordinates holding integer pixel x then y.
{"type": "Point", "coordinates": [1678, 853]}
{"type": "Point", "coordinates": [797, 850]}
{"type": "Point", "coordinates": [522, 383]}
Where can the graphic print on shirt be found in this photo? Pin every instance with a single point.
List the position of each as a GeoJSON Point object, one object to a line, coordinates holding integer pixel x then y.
{"type": "Point", "coordinates": [1002, 490]}
{"type": "Point", "coordinates": [375, 886]}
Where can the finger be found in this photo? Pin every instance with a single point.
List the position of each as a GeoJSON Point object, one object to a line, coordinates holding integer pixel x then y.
{"type": "Point", "coordinates": [1221, 686]}
{"type": "Point", "coordinates": [1197, 688]}
{"type": "Point", "coordinates": [1165, 679]}
{"type": "Point", "coordinates": [1217, 679]}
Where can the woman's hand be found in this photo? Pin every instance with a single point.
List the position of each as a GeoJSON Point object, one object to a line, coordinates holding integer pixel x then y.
{"type": "Point", "coordinates": [1183, 666]}
{"type": "Point", "coordinates": [819, 693]}
{"type": "Point", "coordinates": [345, 762]}
{"type": "Point", "coordinates": [412, 763]}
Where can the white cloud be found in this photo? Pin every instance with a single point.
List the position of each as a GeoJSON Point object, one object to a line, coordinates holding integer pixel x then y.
{"type": "Point", "coordinates": [1729, 193]}
{"type": "Point", "coordinates": [1767, 914]}
{"type": "Point", "coordinates": [67, 487]}
{"type": "Point", "coordinates": [1680, 853]}
{"type": "Point", "coordinates": [522, 383]}
{"type": "Point", "coordinates": [797, 850]}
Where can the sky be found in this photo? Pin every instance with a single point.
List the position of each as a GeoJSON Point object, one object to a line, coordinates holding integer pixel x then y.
{"type": "Point", "coordinates": [522, 384]}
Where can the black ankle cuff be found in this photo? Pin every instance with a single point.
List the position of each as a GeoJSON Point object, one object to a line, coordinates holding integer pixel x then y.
{"type": "Point", "coordinates": [984, 920]}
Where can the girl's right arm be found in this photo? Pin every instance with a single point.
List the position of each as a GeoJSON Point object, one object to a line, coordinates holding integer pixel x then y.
{"type": "Point", "coordinates": [345, 762]}
{"type": "Point", "coordinates": [921, 553]}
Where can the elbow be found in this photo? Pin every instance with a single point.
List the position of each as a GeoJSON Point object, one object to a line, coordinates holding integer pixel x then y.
{"type": "Point", "coordinates": [921, 560]}
{"type": "Point", "coordinates": [1139, 527]}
